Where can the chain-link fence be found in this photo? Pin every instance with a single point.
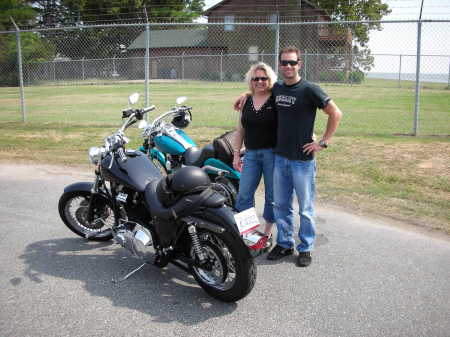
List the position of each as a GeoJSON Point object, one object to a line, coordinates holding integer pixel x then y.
{"type": "Point", "coordinates": [396, 83]}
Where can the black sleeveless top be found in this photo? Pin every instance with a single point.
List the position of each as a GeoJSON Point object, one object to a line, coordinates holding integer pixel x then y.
{"type": "Point", "coordinates": [260, 126]}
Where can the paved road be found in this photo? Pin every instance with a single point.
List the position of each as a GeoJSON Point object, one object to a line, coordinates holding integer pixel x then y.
{"type": "Point", "coordinates": [367, 279]}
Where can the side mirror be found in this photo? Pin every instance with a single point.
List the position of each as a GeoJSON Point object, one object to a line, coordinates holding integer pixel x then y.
{"type": "Point", "coordinates": [133, 98]}
{"type": "Point", "coordinates": [181, 99]}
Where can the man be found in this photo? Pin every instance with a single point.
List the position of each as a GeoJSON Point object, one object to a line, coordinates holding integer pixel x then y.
{"type": "Point", "coordinates": [296, 102]}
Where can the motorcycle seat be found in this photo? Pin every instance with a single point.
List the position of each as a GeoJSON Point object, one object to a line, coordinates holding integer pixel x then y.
{"type": "Point", "coordinates": [184, 205]}
{"type": "Point", "coordinates": [195, 156]}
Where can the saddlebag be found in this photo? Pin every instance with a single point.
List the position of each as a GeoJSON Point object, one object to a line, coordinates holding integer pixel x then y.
{"type": "Point", "coordinates": [223, 147]}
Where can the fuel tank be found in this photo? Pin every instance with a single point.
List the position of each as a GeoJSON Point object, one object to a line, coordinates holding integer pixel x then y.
{"type": "Point", "coordinates": [175, 142]}
{"type": "Point", "coordinates": [136, 172]}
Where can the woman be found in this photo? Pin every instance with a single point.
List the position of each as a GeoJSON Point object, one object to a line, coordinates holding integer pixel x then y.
{"type": "Point", "coordinates": [257, 130]}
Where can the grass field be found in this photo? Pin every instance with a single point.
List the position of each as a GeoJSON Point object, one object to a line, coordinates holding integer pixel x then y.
{"type": "Point", "coordinates": [372, 165]}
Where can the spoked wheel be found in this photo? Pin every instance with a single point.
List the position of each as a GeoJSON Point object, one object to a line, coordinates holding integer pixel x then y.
{"type": "Point", "coordinates": [73, 209]}
{"type": "Point", "coordinates": [228, 275]}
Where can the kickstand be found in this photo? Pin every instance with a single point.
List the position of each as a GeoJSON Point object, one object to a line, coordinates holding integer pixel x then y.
{"type": "Point", "coordinates": [130, 273]}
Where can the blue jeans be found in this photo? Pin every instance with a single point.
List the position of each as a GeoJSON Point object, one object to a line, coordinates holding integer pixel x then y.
{"type": "Point", "coordinates": [257, 163]}
{"type": "Point", "coordinates": [298, 176]}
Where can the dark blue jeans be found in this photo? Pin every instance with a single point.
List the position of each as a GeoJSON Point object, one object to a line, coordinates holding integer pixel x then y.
{"type": "Point", "coordinates": [257, 163]}
{"type": "Point", "coordinates": [295, 176]}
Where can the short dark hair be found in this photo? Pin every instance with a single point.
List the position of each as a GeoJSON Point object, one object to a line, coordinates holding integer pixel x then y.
{"type": "Point", "coordinates": [290, 49]}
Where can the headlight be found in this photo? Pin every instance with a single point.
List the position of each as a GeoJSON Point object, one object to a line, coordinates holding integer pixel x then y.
{"type": "Point", "coordinates": [95, 154]}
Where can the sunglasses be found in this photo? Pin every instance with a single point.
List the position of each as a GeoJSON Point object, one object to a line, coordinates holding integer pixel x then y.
{"type": "Point", "coordinates": [290, 62]}
{"type": "Point", "coordinates": [257, 79]}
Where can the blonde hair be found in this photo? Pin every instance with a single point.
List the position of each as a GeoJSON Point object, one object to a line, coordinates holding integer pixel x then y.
{"type": "Point", "coordinates": [264, 67]}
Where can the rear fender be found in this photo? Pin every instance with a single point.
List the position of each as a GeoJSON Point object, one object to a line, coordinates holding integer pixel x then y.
{"type": "Point", "coordinates": [218, 219]}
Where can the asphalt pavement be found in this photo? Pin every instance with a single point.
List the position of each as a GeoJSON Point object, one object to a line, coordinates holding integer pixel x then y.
{"type": "Point", "coordinates": [368, 278]}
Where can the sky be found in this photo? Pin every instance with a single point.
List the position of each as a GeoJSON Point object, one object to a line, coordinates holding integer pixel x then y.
{"type": "Point", "coordinates": [401, 38]}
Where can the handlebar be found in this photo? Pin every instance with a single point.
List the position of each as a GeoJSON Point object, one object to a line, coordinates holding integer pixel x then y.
{"type": "Point", "coordinates": [139, 113]}
{"type": "Point", "coordinates": [122, 154]}
{"type": "Point", "coordinates": [174, 112]}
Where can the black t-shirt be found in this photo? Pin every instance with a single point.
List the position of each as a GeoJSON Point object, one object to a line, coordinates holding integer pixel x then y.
{"type": "Point", "coordinates": [296, 107]}
{"type": "Point", "coordinates": [260, 125]}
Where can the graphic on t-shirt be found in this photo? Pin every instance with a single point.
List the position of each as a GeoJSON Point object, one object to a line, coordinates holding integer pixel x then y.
{"type": "Point", "coordinates": [284, 100]}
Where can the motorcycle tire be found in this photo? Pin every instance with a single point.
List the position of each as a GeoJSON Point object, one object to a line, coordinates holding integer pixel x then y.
{"type": "Point", "coordinates": [73, 208]}
{"type": "Point", "coordinates": [233, 274]}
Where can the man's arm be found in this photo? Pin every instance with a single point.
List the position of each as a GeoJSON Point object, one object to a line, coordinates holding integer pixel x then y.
{"type": "Point", "coordinates": [334, 117]}
{"type": "Point", "coordinates": [240, 101]}
{"type": "Point", "coordinates": [237, 145]}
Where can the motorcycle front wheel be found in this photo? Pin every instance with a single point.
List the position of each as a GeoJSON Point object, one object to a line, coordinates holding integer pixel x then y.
{"type": "Point", "coordinates": [231, 274]}
{"type": "Point", "coordinates": [73, 210]}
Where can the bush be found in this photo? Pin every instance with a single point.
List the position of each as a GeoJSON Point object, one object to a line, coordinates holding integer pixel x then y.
{"type": "Point", "coordinates": [356, 76]}
{"type": "Point", "coordinates": [327, 76]}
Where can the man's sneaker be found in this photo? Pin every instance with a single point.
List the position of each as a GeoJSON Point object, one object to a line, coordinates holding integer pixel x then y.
{"type": "Point", "coordinates": [279, 252]}
{"type": "Point", "coordinates": [304, 259]}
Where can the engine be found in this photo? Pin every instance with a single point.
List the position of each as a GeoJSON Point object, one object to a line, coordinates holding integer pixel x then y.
{"type": "Point", "coordinates": [138, 241]}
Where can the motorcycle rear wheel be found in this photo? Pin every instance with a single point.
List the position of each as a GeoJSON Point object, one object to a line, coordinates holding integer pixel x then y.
{"type": "Point", "coordinates": [232, 275]}
{"type": "Point", "coordinates": [73, 207]}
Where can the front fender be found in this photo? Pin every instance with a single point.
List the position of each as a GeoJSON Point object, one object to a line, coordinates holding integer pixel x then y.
{"type": "Point", "coordinates": [79, 186]}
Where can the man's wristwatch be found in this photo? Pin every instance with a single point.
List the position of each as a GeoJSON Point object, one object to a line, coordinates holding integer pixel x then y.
{"type": "Point", "coordinates": [323, 144]}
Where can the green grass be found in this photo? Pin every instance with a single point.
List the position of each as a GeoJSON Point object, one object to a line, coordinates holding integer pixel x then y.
{"type": "Point", "coordinates": [372, 108]}
{"type": "Point", "coordinates": [372, 165]}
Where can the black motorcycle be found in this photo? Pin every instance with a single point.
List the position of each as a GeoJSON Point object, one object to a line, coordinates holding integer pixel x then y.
{"type": "Point", "coordinates": [176, 219]}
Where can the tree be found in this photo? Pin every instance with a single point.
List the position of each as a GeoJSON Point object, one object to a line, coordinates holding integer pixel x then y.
{"type": "Point", "coordinates": [34, 49]}
{"type": "Point", "coordinates": [357, 56]}
{"type": "Point", "coordinates": [106, 42]}
{"type": "Point", "coordinates": [21, 10]}
{"type": "Point", "coordinates": [58, 13]}
{"type": "Point", "coordinates": [356, 10]}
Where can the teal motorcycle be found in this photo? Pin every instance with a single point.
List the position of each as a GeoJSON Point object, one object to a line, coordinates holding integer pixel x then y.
{"type": "Point", "coordinates": [170, 148]}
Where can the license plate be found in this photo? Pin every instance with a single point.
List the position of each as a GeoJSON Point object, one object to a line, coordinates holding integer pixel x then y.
{"type": "Point", "coordinates": [247, 220]}
{"type": "Point", "coordinates": [122, 197]}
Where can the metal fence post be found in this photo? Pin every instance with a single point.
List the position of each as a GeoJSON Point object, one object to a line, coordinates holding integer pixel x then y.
{"type": "Point", "coordinates": [19, 63]}
{"type": "Point", "coordinates": [82, 68]}
{"type": "Point", "coordinates": [182, 65]}
{"type": "Point", "coordinates": [147, 61]}
{"type": "Point", "coordinates": [400, 71]}
{"type": "Point", "coordinates": [147, 64]}
{"type": "Point", "coordinates": [221, 66]}
{"type": "Point", "coordinates": [417, 102]}
{"type": "Point", "coordinates": [277, 43]}
{"type": "Point", "coordinates": [305, 66]}
{"type": "Point", "coordinates": [448, 82]}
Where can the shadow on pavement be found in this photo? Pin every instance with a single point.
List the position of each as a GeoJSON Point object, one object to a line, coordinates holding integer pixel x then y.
{"type": "Point", "coordinates": [167, 294]}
